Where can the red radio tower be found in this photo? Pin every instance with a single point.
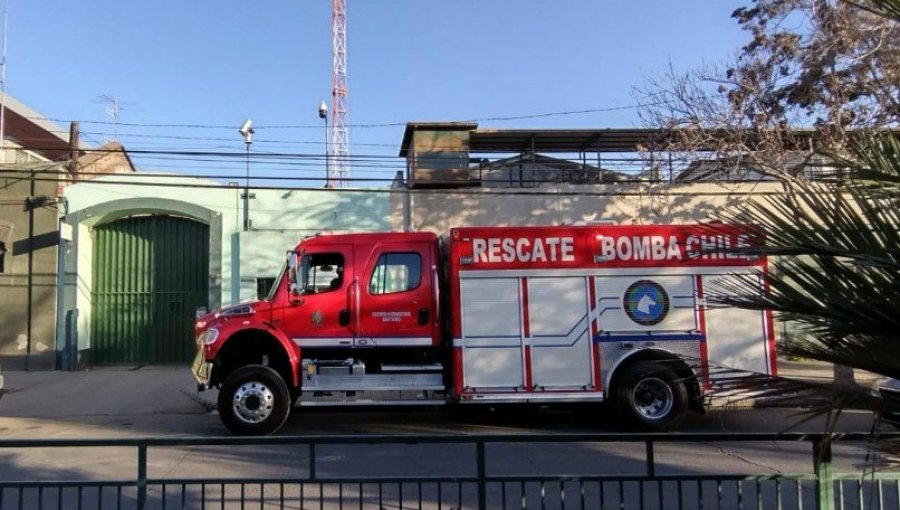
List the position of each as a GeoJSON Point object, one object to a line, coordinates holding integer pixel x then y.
{"type": "Point", "coordinates": [340, 131]}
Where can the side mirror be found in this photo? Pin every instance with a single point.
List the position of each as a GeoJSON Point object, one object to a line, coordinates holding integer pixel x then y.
{"type": "Point", "coordinates": [294, 294]}
{"type": "Point", "coordinates": [293, 286]}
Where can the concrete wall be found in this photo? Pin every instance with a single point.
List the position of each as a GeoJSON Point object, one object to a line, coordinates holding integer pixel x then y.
{"type": "Point", "coordinates": [14, 281]}
{"type": "Point", "coordinates": [438, 210]}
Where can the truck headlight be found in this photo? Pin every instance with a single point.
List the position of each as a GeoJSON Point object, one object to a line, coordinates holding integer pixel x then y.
{"type": "Point", "coordinates": [209, 336]}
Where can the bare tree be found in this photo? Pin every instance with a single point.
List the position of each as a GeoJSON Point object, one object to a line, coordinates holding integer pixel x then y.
{"type": "Point", "coordinates": [811, 72]}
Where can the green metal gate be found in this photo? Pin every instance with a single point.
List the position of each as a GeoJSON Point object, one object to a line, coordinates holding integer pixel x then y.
{"type": "Point", "coordinates": [150, 274]}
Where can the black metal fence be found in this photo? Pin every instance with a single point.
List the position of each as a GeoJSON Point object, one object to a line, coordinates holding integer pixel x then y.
{"type": "Point", "coordinates": [615, 471]}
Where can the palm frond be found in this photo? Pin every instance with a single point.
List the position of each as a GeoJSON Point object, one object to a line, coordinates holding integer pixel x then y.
{"type": "Point", "coordinates": [885, 8]}
{"type": "Point", "coordinates": [834, 271]}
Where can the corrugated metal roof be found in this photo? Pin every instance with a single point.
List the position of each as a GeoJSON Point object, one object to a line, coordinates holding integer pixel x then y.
{"type": "Point", "coordinates": [562, 140]}
{"type": "Point", "coordinates": [541, 140]}
{"type": "Point", "coordinates": [575, 140]}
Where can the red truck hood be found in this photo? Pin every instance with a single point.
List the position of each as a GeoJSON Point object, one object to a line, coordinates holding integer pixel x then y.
{"type": "Point", "coordinates": [260, 309]}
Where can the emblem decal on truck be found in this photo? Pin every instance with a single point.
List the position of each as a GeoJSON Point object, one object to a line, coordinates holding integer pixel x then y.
{"type": "Point", "coordinates": [391, 316]}
{"type": "Point", "coordinates": [317, 318]}
{"type": "Point", "coordinates": [646, 302]}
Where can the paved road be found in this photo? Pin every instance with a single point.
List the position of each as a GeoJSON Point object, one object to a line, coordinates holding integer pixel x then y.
{"type": "Point", "coordinates": [163, 401]}
{"type": "Point", "coordinates": [116, 403]}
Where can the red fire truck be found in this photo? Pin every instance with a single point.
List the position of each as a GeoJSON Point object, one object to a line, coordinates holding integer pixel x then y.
{"type": "Point", "coordinates": [493, 315]}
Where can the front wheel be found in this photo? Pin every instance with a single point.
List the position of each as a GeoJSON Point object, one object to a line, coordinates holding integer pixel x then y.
{"type": "Point", "coordinates": [254, 401]}
{"type": "Point", "coordinates": [652, 396]}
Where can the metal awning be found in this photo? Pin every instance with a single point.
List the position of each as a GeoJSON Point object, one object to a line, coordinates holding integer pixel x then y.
{"type": "Point", "coordinates": [562, 140]}
{"type": "Point", "coordinates": [540, 140]}
{"type": "Point", "coordinates": [584, 140]}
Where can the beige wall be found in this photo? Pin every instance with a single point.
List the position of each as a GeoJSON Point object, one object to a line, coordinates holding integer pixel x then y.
{"type": "Point", "coordinates": [438, 210]}
{"type": "Point", "coordinates": [109, 163]}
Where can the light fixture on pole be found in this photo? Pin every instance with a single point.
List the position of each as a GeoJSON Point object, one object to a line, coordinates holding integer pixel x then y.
{"type": "Point", "coordinates": [323, 114]}
{"type": "Point", "coordinates": [247, 132]}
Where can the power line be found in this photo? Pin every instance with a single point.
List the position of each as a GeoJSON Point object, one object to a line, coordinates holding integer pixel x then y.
{"type": "Point", "coordinates": [370, 125]}
{"type": "Point", "coordinates": [222, 139]}
{"type": "Point", "coordinates": [572, 112]}
{"type": "Point", "coordinates": [223, 154]}
{"type": "Point", "coordinates": [239, 154]}
{"type": "Point", "coordinates": [57, 177]}
{"type": "Point", "coordinates": [305, 162]}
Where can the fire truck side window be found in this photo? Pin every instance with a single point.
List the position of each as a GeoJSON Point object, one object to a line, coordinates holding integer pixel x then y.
{"type": "Point", "coordinates": [321, 272]}
{"type": "Point", "coordinates": [396, 272]}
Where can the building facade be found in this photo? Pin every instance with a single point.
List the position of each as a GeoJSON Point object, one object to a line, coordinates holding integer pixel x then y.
{"type": "Point", "coordinates": [142, 252]}
{"type": "Point", "coordinates": [149, 250]}
{"type": "Point", "coordinates": [32, 164]}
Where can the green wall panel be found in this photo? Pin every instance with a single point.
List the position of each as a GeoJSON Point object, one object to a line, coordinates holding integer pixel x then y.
{"type": "Point", "coordinates": [150, 275]}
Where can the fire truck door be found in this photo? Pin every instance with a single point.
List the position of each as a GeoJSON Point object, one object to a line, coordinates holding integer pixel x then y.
{"type": "Point", "coordinates": [737, 338]}
{"type": "Point", "coordinates": [560, 332]}
{"type": "Point", "coordinates": [492, 332]}
{"type": "Point", "coordinates": [397, 297]}
{"type": "Point", "coordinates": [320, 316]}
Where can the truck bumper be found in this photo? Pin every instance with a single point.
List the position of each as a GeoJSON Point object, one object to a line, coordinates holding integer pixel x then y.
{"type": "Point", "coordinates": [202, 371]}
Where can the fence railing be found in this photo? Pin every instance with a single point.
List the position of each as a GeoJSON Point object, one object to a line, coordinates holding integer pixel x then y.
{"type": "Point", "coordinates": [571, 471]}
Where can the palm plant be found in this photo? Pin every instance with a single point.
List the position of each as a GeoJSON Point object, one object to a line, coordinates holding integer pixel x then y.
{"type": "Point", "coordinates": [834, 272]}
{"type": "Point", "coordinates": [836, 269]}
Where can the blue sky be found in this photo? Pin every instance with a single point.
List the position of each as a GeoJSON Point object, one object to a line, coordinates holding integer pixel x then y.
{"type": "Point", "coordinates": [218, 62]}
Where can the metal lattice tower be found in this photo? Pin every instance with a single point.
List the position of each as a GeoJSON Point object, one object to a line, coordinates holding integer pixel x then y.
{"type": "Point", "coordinates": [340, 131]}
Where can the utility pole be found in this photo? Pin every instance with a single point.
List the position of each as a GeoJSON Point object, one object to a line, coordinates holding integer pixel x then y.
{"type": "Point", "coordinates": [30, 204]}
{"type": "Point", "coordinates": [247, 132]}
{"type": "Point", "coordinates": [3, 81]}
{"type": "Point", "coordinates": [73, 150]}
{"type": "Point", "coordinates": [323, 114]}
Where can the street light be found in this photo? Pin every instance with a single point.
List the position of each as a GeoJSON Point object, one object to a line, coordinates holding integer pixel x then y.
{"type": "Point", "coordinates": [323, 114]}
{"type": "Point", "coordinates": [247, 132]}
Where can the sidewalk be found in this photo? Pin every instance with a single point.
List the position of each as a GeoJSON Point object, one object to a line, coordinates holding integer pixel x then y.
{"type": "Point", "coordinates": [160, 390]}
{"type": "Point", "coordinates": [817, 371]}
{"type": "Point", "coordinates": [124, 390]}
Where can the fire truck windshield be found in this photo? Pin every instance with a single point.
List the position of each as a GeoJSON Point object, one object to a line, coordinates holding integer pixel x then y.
{"type": "Point", "coordinates": [277, 282]}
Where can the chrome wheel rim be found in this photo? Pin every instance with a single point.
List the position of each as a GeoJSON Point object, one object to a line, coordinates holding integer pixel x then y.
{"type": "Point", "coordinates": [253, 402]}
{"type": "Point", "coordinates": [652, 398]}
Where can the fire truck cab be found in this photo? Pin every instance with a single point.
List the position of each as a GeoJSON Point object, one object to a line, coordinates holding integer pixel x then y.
{"type": "Point", "coordinates": [489, 315]}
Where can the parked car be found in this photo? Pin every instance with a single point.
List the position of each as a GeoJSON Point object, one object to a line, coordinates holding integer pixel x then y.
{"type": "Point", "coordinates": [890, 392]}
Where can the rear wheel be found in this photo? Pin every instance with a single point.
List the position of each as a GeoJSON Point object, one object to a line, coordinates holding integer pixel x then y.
{"type": "Point", "coordinates": [651, 396]}
{"type": "Point", "coordinates": [254, 401]}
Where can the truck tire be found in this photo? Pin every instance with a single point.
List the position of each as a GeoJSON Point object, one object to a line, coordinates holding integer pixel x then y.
{"type": "Point", "coordinates": [254, 401]}
{"type": "Point", "coordinates": [651, 396]}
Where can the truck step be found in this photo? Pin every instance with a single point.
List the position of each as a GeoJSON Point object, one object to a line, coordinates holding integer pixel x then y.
{"type": "Point", "coordinates": [373, 382]}
{"type": "Point", "coordinates": [435, 367]}
{"type": "Point", "coordinates": [368, 402]}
